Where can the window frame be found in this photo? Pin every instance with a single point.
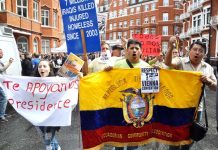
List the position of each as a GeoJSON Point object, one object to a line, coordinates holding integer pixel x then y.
{"type": "Point", "coordinates": [22, 8]}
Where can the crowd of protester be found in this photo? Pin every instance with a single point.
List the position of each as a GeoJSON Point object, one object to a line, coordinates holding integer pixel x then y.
{"type": "Point", "coordinates": [125, 55]}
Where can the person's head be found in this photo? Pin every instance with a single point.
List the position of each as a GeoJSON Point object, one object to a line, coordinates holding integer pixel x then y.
{"type": "Point", "coordinates": [161, 57]}
{"type": "Point", "coordinates": [22, 56]}
{"type": "Point", "coordinates": [133, 51]}
{"type": "Point", "coordinates": [197, 52]}
{"type": "Point", "coordinates": [104, 46]}
{"type": "Point", "coordinates": [116, 50]}
{"type": "Point", "coordinates": [1, 53]}
{"type": "Point", "coordinates": [175, 53]}
{"type": "Point", "coordinates": [44, 69]}
{"type": "Point", "coordinates": [27, 55]}
{"type": "Point", "coordinates": [35, 55]}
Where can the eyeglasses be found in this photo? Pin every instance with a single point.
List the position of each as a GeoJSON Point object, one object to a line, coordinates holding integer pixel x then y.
{"type": "Point", "coordinates": [104, 48]}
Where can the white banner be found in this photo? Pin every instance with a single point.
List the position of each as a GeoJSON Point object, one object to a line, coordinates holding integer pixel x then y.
{"type": "Point", "coordinates": [43, 101]}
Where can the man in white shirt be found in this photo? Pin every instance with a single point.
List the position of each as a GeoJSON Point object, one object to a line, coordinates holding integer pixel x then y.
{"type": "Point", "coordinates": [3, 99]}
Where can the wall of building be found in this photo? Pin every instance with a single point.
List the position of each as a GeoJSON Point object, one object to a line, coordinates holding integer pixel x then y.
{"type": "Point", "coordinates": [29, 28]}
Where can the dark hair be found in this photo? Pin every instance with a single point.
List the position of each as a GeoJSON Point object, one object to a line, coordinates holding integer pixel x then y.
{"type": "Point", "coordinates": [36, 72]}
{"type": "Point", "coordinates": [118, 47]}
{"type": "Point", "coordinates": [133, 41]}
{"type": "Point", "coordinates": [198, 43]}
{"type": "Point", "coordinates": [27, 55]}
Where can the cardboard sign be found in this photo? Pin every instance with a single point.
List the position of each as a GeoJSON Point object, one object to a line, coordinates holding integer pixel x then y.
{"type": "Point", "coordinates": [151, 44]}
{"type": "Point", "coordinates": [71, 66]}
{"type": "Point", "coordinates": [42, 101]}
{"type": "Point", "coordinates": [79, 15]}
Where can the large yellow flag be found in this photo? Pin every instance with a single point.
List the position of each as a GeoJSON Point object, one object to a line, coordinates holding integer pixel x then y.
{"type": "Point", "coordinates": [114, 111]}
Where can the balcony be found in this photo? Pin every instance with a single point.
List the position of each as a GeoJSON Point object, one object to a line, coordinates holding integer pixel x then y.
{"type": "Point", "coordinates": [184, 16]}
{"type": "Point", "coordinates": [214, 20]}
{"type": "Point", "coordinates": [195, 30]}
{"type": "Point", "coordinates": [195, 6]}
{"type": "Point", "coordinates": [184, 35]}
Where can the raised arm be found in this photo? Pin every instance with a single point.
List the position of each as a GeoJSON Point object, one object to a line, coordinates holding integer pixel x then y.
{"type": "Point", "coordinates": [168, 58]}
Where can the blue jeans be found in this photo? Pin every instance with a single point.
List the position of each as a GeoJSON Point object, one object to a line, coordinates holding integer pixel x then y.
{"type": "Point", "coordinates": [50, 140]}
{"type": "Point", "coordinates": [3, 103]}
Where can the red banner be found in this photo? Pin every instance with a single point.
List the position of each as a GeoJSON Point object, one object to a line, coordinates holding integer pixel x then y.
{"type": "Point", "coordinates": [151, 44]}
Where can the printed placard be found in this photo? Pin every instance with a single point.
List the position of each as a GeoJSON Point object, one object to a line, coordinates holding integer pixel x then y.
{"type": "Point", "coordinates": [150, 80]}
{"type": "Point", "coordinates": [79, 15]}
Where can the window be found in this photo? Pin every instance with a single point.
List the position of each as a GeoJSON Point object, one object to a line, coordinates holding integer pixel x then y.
{"type": "Point", "coordinates": [119, 35]}
{"type": "Point", "coordinates": [111, 15]}
{"type": "Point", "coordinates": [120, 13]}
{"type": "Point", "coordinates": [206, 14]}
{"type": "Point", "coordinates": [165, 16]}
{"type": "Point", "coordinates": [55, 43]}
{"type": "Point", "coordinates": [138, 31]}
{"type": "Point", "coordinates": [138, 22]}
{"type": "Point", "coordinates": [125, 24]}
{"type": "Point", "coordinates": [133, 1]}
{"type": "Point", "coordinates": [165, 2]}
{"type": "Point", "coordinates": [111, 36]}
{"type": "Point", "coordinates": [115, 4]}
{"type": "Point", "coordinates": [115, 25]}
{"type": "Point", "coordinates": [196, 20]}
{"type": "Point", "coordinates": [177, 4]}
{"type": "Point", "coordinates": [115, 13]}
{"type": "Point", "coordinates": [22, 8]}
{"type": "Point", "coordinates": [165, 30]}
{"type": "Point", "coordinates": [153, 19]}
{"type": "Point", "coordinates": [177, 18]}
{"type": "Point", "coordinates": [35, 46]}
{"type": "Point", "coordinates": [45, 46]}
{"type": "Point", "coordinates": [125, 12]}
{"type": "Point", "coordinates": [164, 46]}
{"type": "Point", "coordinates": [153, 31]}
{"type": "Point", "coordinates": [146, 8]}
{"type": "Point", "coordinates": [110, 26]}
{"type": "Point", "coordinates": [101, 8]}
{"type": "Point", "coordinates": [120, 24]}
{"type": "Point", "coordinates": [2, 5]}
{"type": "Point", "coordinates": [146, 31]}
{"type": "Point", "coordinates": [120, 3]}
{"type": "Point", "coordinates": [55, 19]}
{"type": "Point", "coordinates": [146, 20]}
{"type": "Point", "coordinates": [45, 17]}
{"type": "Point", "coordinates": [131, 22]}
{"type": "Point", "coordinates": [177, 30]}
{"type": "Point", "coordinates": [22, 43]}
{"type": "Point", "coordinates": [35, 10]}
{"type": "Point", "coordinates": [132, 11]}
{"type": "Point", "coordinates": [131, 33]}
{"type": "Point", "coordinates": [153, 6]}
{"type": "Point", "coordinates": [114, 36]}
{"type": "Point", "coordinates": [125, 35]}
{"type": "Point", "coordinates": [137, 9]}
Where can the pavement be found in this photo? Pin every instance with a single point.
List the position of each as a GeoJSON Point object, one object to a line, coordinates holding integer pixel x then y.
{"type": "Point", "coordinates": [19, 134]}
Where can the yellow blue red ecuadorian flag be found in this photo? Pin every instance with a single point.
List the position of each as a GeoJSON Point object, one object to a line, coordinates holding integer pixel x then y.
{"type": "Point", "coordinates": [113, 112]}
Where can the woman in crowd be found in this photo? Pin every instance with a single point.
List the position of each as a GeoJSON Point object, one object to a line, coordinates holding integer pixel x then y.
{"type": "Point", "coordinates": [45, 70]}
